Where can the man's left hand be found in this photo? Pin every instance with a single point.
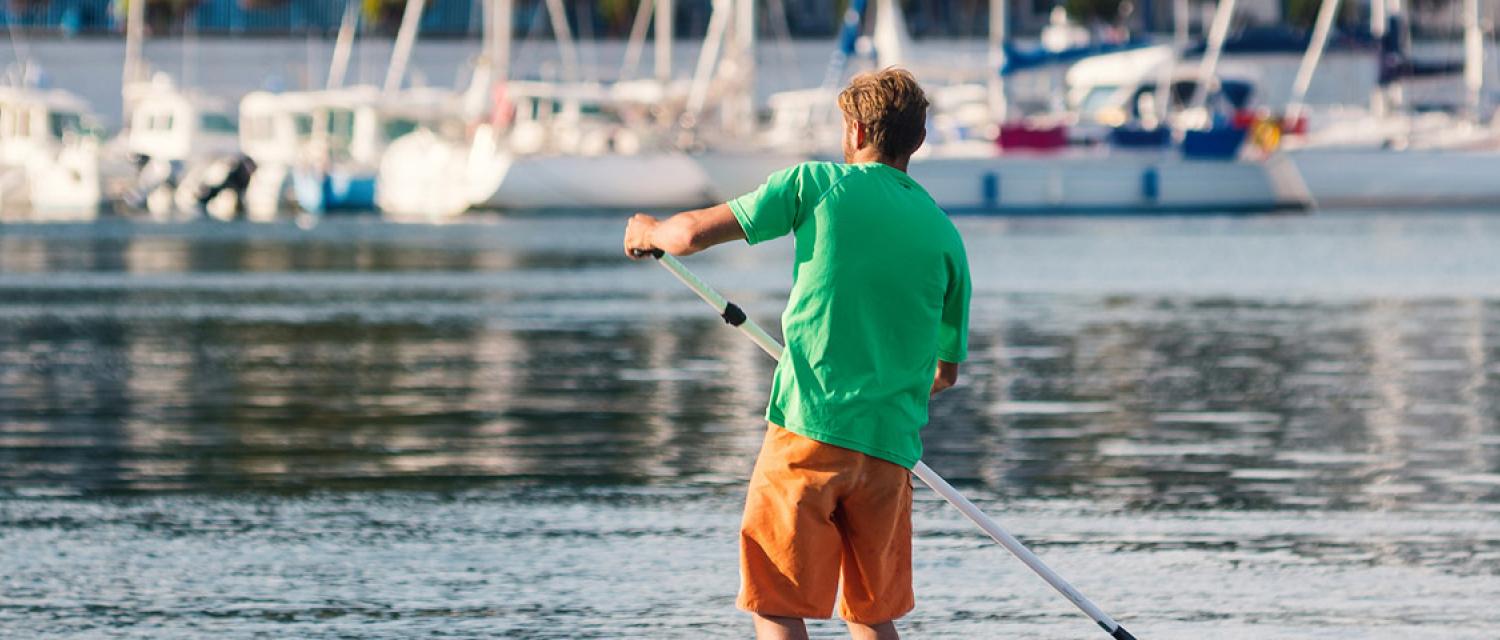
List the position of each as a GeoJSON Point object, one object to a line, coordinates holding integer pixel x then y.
{"type": "Point", "coordinates": [638, 242]}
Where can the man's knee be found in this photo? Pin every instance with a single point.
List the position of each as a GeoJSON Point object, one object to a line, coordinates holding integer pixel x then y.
{"type": "Point", "coordinates": [882, 631]}
{"type": "Point", "coordinates": [779, 628]}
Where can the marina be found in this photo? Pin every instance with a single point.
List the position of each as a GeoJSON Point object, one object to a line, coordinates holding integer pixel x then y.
{"type": "Point", "coordinates": [1213, 119]}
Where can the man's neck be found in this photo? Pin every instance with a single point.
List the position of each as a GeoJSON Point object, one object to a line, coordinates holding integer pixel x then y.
{"type": "Point", "coordinates": [869, 154]}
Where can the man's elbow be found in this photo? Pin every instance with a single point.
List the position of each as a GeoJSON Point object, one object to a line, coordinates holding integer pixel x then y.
{"type": "Point", "coordinates": [685, 235]}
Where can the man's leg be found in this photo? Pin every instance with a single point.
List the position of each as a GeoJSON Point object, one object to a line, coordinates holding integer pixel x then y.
{"type": "Point", "coordinates": [882, 631]}
{"type": "Point", "coordinates": [875, 522]}
{"type": "Point", "coordinates": [779, 628]}
{"type": "Point", "coordinates": [789, 548]}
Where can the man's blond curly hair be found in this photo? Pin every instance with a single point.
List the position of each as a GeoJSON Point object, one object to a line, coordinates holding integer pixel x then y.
{"type": "Point", "coordinates": [891, 105]}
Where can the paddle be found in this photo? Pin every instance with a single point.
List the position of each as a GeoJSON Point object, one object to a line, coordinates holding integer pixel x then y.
{"type": "Point", "coordinates": [735, 316]}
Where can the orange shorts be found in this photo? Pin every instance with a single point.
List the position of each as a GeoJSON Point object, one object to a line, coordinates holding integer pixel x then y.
{"type": "Point", "coordinates": [817, 513]}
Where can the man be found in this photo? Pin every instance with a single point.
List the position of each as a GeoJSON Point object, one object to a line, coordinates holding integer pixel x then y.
{"type": "Point", "coordinates": [877, 323]}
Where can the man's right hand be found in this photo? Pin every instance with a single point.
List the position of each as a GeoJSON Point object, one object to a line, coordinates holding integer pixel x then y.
{"type": "Point", "coordinates": [638, 232]}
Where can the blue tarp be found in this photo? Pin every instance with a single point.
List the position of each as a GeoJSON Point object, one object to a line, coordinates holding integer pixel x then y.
{"type": "Point", "coordinates": [1017, 59]}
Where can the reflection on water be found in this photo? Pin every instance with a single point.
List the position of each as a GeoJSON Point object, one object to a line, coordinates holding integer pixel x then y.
{"type": "Point", "coordinates": [519, 364]}
{"type": "Point", "coordinates": [206, 362]}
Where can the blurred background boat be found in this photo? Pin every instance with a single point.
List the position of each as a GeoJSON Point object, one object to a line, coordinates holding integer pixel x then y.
{"type": "Point", "coordinates": [338, 161]}
{"type": "Point", "coordinates": [180, 145]}
{"type": "Point", "coordinates": [983, 156]}
{"type": "Point", "coordinates": [1076, 112]}
{"type": "Point", "coordinates": [49, 155]}
{"type": "Point", "coordinates": [1393, 152]}
{"type": "Point", "coordinates": [186, 148]}
{"type": "Point", "coordinates": [636, 143]}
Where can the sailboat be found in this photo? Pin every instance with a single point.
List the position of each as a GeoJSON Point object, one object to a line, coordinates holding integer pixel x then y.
{"type": "Point", "coordinates": [182, 144]}
{"type": "Point", "coordinates": [632, 144]}
{"type": "Point", "coordinates": [321, 150]}
{"type": "Point", "coordinates": [579, 145]}
{"type": "Point", "coordinates": [186, 148]}
{"type": "Point", "coordinates": [49, 152]}
{"type": "Point", "coordinates": [733, 155]}
{"type": "Point", "coordinates": [1023, 166]}
{"type": "Point", "coordinates": [1387, 155]}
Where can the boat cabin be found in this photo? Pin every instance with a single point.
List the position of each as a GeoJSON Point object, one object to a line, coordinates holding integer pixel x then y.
{"type": "Point", "coordinates": [273, 127]}
{"type": "Point", "coordinates": [168, 123]}
{"type": "Point", "coordinates": [1122, 88]}
{"type": "Point", "coordinates": [36, 121]}
{"type": "Point", "coordinates": [351, 125]}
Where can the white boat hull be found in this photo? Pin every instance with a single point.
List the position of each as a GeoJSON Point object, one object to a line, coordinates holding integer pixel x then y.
{"type": "Point", "coordinates": [1353, 177]}
{"type": "Point", "coordinates": [422, 179]}
{"type": "Point", "coordinates": [1115, 183]}
{"type": "Point", "coordinates": [732, 174]}
{"type": "Point", "coordinates": [268, 193]}
{"type": "Point", "coordinates": [655, 181]}
{"type": "Point", "coordinates": [67, 187]}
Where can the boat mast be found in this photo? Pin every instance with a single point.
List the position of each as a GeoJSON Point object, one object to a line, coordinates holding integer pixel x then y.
{"type": "Point", "coordinates": [637, 40]}
{"type": "Point", "coordinates": [1180, 14]}
{"type": "Point", "coordinates": [996, 83]}
{"type": "Point", "coordinates": [502, 13]}
{"type": "Point", "coordinates": [406, 38]}
{"type": "Point", "coordinates": [1180, 11]}
{"type": "Point", "coordinates": [493, 68]}
{"type": "Point", "coordinates": [1168, 72]}
{"type": "Point", "coordinates": [1473, 60]}
{"type": "Point", "coordinates": [1315, 48]}
{"type": "Point", "coordinates": [564, 35]}
{"type": "Point", "coordinates": [1208, 68]}
{"type": "Point", "coordinates": [135, 67]}
{"type": "Point", "coordinates": [664, 39]}
{"type": "Point", "coordinates": [847, 37]}
{"type": "Point", "coordinates": [739, 114]}
{"type": "Point", "coordinates": [1378, 26]}
{"type": "Point", "coordinates": [708, 60]}
{"type": "Point", "coordinates": [889, 35]}
{"type": "Point", "coordinates": [343, 47]}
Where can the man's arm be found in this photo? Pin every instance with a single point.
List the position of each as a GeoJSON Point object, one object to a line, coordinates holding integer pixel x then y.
{"type": "Point", "coordinates": [945, 377]}
{"type": "Point", "coordinates": [684, 234]}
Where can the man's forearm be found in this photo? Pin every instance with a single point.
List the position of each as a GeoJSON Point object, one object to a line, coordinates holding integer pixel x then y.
{"type": "Point", "coordinates": [683, 234]}
{"type": "Point", "coordinates": [693, 231]}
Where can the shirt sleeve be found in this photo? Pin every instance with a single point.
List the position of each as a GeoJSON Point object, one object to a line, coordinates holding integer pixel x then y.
{"type": "Point", "coordinates": [774, 209]}
{"type": "Point", "coordinates": [953, 330]}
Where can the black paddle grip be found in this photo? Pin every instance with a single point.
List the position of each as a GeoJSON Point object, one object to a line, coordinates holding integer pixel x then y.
{"type": "Point", "coordinates": [655, 253]}
{"type": "Point", "coordinates": [733, 314]}
{"type": "Point", "coordinates": [1121, 634]}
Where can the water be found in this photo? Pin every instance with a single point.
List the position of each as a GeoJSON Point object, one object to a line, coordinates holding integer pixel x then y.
{"type": "Point", "coordinates": [1279, 427]}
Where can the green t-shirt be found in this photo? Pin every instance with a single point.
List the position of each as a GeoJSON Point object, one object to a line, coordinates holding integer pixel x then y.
{"type": "Point", "coordinates": [880, 292]}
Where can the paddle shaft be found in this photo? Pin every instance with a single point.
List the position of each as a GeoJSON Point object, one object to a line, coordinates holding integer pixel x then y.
{"type": "Point", "coordinates": [734, 315]}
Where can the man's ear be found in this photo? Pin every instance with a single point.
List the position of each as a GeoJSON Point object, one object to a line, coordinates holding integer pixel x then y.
{"type": "Point", "coordinates": [859, 135]}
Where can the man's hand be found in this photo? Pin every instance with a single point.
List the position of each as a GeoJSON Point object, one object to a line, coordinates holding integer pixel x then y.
{"type": "Point", "coordinates": [945, 377]}
{"type": "Point", "coordinates": [638, 232]}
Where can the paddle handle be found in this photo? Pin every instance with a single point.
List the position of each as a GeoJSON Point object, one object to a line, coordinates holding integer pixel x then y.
{"type": "Point", "coordinates": [736, 317]}
{"type": "Point", "coordinates": [729, 311]}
